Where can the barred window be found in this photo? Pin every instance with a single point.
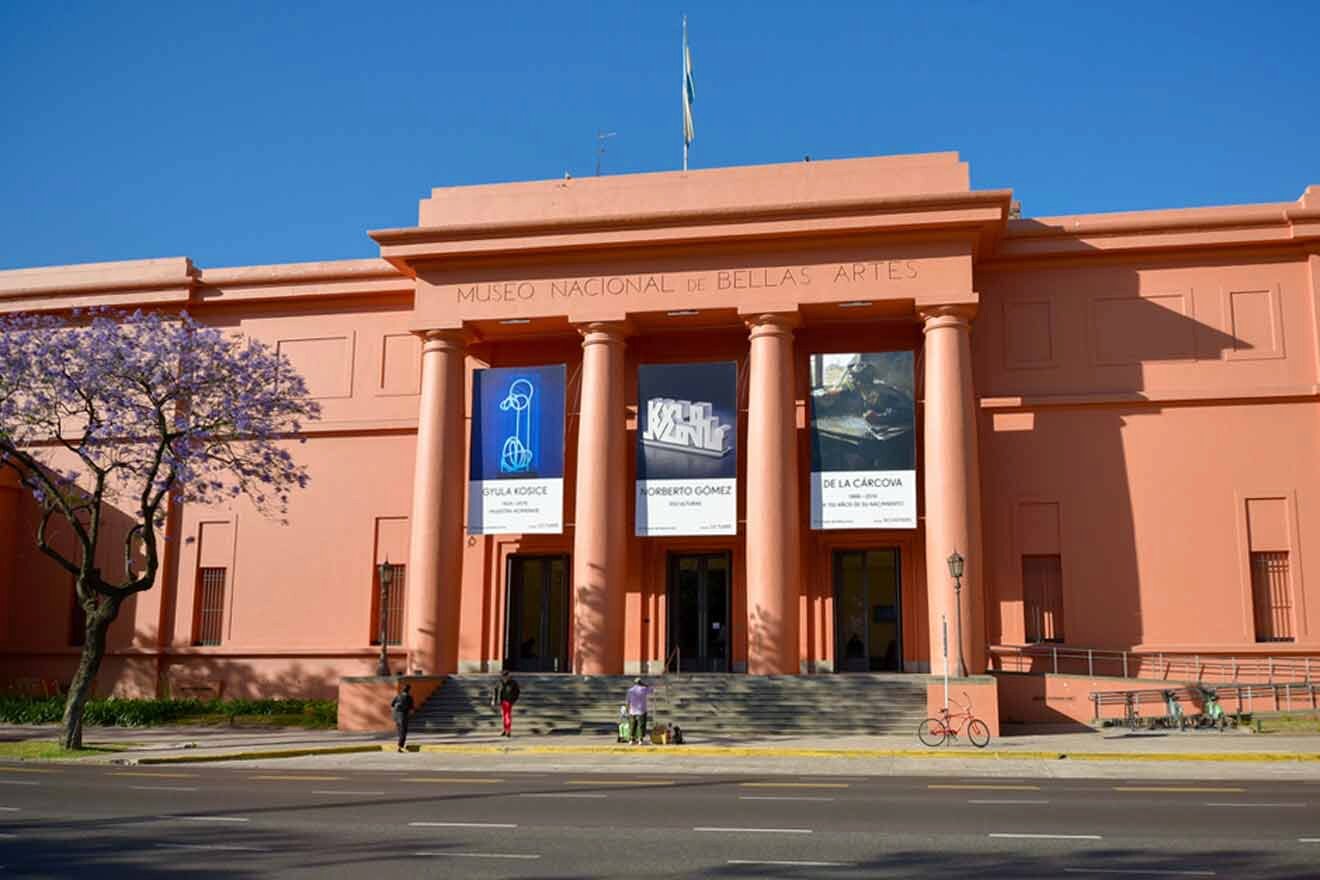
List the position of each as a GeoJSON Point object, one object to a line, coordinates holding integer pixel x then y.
{"type": "Point", "coordinates": [1271, 595]}
{"type": "Point", "coordinates": [393, 606]}
{"type": "Point", "coordinates": [210, 613]}
{"type": "Point", "coordinates": [1042, 593]}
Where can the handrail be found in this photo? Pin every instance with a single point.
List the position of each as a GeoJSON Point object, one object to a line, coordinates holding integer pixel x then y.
{"type": "Point", "coordinates": [1158, 665]}
{"type": "Point", "coordinates": [1244, 695]}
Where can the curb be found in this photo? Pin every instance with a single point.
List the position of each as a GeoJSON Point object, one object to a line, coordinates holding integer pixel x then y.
{"type": "Point", "coordinates": [741, 752]}
{"type": "Point", "coordinates": [252, 756]}
{"type": "Point", "coordinates": [770, 752]}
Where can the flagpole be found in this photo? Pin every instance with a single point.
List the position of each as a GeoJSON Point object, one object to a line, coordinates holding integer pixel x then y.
{"type": "Point", "coordinates": [682, 69]}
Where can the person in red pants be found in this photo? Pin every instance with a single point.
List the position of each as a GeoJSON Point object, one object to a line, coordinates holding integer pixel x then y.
{"type": "Point", "coordinates": [505, 695]}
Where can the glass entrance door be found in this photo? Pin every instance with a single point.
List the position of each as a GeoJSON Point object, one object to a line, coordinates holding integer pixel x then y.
{"type": "Point", "coordinates": [537, 614]}
{"type": "Point", "coordinates": [867, 637]}
{"type": "Point", "coordinates": [699, 610]}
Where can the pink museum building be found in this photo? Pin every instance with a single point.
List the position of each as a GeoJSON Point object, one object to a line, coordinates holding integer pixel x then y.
{"type": "Point", "coordinates": [1114, 419]}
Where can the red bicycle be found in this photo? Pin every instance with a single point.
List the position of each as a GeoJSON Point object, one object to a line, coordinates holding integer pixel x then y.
{"type": "Point", "coordinates": [937, 731]}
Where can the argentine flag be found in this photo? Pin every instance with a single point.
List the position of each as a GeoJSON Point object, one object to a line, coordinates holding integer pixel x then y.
{"type": "Point", "coordinates": [689, 92]}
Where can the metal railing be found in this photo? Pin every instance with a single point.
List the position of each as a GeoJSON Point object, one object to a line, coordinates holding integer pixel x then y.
{"type": "Point", "coordinates": [1235, 698]}
{"type": "Point", "coordinates": [1158, 665]}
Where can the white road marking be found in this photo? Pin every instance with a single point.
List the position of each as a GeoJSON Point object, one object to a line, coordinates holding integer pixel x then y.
{"type": "Point", "coordinates": [790, 863]}
{"type": "Point", "coordinates": [1150, 873]}
{"type": "Point", "coordinates": [470, 855]}
{"type": "Point", "coordinates": [752, 830]}
{"type": "Point", "coordinates": [341, 791]}
{"type": "Point", "coordinates": [1243, 804]}
{"type": "Point", "coordinates": [212, 846]}
{"type": "Point", "coordinates": [461, 825]}
{"type": "Point", "coordinates": [563, 794]}
{"type": "Point", "coordinates": [9, 809]}
{"type": "Point", "coordinates": [163, 787]}
{"type": "Point", "coordinates": [205, 818]}
{"type": "Point", "coordinates": [1006, 801]}
{"type": "Point", "coordinates": [1308, 840]}
{"type": "Point", "coordinates": [779, 797]}
{"type": "Point", "coordinates": [17, 782]}
{"type": "Point", "coordinates": [1047, 837]}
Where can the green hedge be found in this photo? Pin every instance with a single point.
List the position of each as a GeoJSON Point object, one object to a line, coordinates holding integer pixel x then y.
{"type": "Point", "coordinates": [147, 713]}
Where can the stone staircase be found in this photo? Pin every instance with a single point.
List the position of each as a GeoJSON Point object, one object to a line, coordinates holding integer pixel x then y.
{"type": "Point", "coordinates": [710, 705]}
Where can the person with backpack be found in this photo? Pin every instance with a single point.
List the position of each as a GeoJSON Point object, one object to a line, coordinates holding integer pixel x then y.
{"type": "Point", "coordinates": [505, 695]}
{"type": "Point", "coordinates": [401, 708]}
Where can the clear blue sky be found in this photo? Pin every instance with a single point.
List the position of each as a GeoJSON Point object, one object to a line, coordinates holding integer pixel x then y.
{"type": "Point", "coordinates": [279, 132]}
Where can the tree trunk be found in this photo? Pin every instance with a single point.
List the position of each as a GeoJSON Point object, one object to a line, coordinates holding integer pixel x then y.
{"type": "Point", "coordinates": [88, 665]}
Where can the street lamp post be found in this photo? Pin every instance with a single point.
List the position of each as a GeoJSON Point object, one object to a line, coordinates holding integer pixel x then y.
{"type": "Point", "coordinates": [385, 572]}
{"type": "Point", "coordinates": [955, 561]}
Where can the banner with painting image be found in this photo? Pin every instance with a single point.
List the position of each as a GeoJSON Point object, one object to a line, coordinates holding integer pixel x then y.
{"type": "Point", "coordinates": [516, 477]}
{"type": "Point", "coordinates": [687, 449]}
{"type": "Point", "coordinates": [863, 441]}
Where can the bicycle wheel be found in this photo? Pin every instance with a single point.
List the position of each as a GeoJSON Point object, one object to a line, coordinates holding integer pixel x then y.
{"type": "Point", "coordinates": [978, 733]}
{"type": "Point", "coordinates": [932, 732]}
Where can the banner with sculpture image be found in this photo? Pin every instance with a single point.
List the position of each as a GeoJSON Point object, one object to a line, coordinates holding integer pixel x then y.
{"type": "Point", "coordinates": [687, 449]}
{"type": "Point", "coordinates": [863, 441]}
{"type": "Point", "coordinates": [516, 478]}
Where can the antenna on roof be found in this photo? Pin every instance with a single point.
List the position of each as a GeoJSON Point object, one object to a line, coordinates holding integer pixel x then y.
{"type": "Point", "coordinates": [601, 137]}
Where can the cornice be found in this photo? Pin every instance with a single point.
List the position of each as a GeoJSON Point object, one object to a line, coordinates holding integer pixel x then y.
{"type": "Point", "coordinates": [981, 213]}
{"type": "Point", "coordinates": [176, 283]}
{"type": "Point", "coordinates": [1234, 226]}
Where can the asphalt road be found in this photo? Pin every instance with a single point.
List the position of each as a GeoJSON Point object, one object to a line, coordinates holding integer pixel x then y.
{"type": "Point", "coordinates": [198, 821]}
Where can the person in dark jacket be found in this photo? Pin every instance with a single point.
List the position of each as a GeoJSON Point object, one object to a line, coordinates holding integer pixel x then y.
{"type": "Point", "coordinates": [505, 695]}
{"type": "Point", "coordinates": [401, 708]}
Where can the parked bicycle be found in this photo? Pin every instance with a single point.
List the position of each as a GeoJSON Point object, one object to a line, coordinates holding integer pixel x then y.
{"type": "Point", "coordinates": [949, 725]}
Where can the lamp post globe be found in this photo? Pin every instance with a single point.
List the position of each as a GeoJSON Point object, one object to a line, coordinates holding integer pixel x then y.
{"type": "Point", "coordinates": [385, 574]}
{"type": "Point", "coordinates": [955, 562]}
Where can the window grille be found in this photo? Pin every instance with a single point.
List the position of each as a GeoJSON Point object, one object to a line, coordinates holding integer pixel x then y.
{"type": "Point", "coordinates": [1271, 596]}
{"type": "Point", "coordinates": [393, 607]}
{"type": "Point", "coordinates": [1042, 593]}
{"type": "Point", "coordinates": [210, 606]}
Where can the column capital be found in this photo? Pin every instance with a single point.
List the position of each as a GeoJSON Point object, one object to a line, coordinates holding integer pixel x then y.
{"type": "Point", "coordinates": [952, 315]}
{"type": "Point", "coordinates": [445, 338]}
{"type": "Point", "coordinates": [604, 332]}
{"type": "Point", "coordinates": [772, 323]}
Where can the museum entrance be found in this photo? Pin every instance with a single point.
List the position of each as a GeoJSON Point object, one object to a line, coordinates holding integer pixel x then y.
{"type": "Point", "coordinates": [867, 633]}
{"type": "Point", "coordinates": [537, 614]}
{"type": "Point", "coordinates": [699, 586]}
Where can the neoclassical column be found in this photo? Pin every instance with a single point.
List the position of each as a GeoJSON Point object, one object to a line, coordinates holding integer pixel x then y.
{"type": "Point", "coordinates": [772, 499]}
{"type": "Point", "coordinates": [600, 523]}
{"type": "Point", "coordinates": [435, 551]}
{"type": "Point", "coordinates": [953, 486]}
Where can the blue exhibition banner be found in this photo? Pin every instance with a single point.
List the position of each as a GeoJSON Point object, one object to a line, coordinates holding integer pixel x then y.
{"type": "Point", "coordinates": [516, 477]}
{"type": "Point", "coordinates": [687, 449]}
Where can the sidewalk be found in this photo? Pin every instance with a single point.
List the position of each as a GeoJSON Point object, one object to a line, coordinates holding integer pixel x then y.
{"type": "Point", "coordinates": [1100, 754]}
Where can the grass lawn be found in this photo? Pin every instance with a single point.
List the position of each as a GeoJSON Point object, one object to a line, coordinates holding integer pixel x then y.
{"type": "Point", "coordinates": [45, 749]}
{"type": "Point", "coordinates": [1291, 722]}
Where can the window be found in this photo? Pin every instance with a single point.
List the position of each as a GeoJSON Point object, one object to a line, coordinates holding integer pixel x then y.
{"type": "Point", "coordinates": [210, 613]}
{"type": "Point", "coordinates": [1271, 596]}
{"type": "Point", "coordinates": [393, 607]}
{"type": "Point", "coordinates": [1042, 593]}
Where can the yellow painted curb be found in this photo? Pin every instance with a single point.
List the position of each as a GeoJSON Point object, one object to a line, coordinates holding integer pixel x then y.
{"type": "Point", "coordinates": [771, 752]}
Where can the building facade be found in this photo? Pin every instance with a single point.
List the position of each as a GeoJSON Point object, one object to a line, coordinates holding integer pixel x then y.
{"type": "Point", "coordinates": [1113, 419]}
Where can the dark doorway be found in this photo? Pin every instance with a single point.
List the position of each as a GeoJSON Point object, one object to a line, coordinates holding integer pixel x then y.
{"type": "Point", "coordinates": [867, 631]}
{"type": "Point", "coordinates": [537, 612]}
{"type": "Point", "coordinates": [699, 610]}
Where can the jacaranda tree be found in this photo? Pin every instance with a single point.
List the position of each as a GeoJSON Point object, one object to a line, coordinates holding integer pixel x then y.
{"type": "Point", "coordinates": [112, 415]}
